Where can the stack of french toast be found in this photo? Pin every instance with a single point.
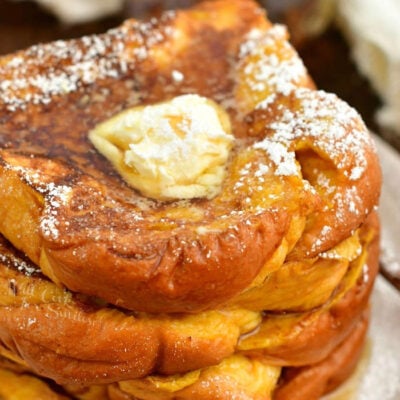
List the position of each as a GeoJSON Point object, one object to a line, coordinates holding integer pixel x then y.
{"type": "Point", "coordinates": [183, 215]}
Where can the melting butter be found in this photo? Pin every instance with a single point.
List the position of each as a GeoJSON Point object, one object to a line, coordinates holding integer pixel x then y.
{"type": "Point", "coordinates": [176, 149]}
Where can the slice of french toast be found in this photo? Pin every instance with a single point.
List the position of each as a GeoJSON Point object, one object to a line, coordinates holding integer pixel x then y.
{"type": "Point", "coordinates": [301, 175]}
{"type": "Point", "coordinates": [76, 339]}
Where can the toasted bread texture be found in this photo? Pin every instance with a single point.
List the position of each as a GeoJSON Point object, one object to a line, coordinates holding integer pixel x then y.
{"type": "Point", "coordinates": [73, 338]}
{"type": "Point", "coordinates": [237, 376]}
{"type": "Point", "coordinates": [301, 177]}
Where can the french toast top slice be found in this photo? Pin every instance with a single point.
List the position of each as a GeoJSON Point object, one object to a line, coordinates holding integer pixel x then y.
{"type": "Point", "coordinates": [64, 205]}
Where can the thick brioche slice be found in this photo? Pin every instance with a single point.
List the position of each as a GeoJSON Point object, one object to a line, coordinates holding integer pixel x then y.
{"type": "Point", "coordinates": [64, 205]}
{"type": "Point", "coordinates": [236, 377]}
{"type": "Point", "coordinates": [74, 338]}
{"type": "Point", "coordinates": [307, 338]}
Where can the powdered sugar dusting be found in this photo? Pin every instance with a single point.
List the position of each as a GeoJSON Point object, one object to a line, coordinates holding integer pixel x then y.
{"type": "Point", "coordinates": [274, 65]}
{"type": "Point", "coordinates": [346, 201]}
{"type": "Point", "coordinates": [15, 262]}
{"type": "Point", "coordinates": [74, 64]}
{"type": "Point", "coordinates": [55, 197]}
{"type": "Point", "coordinates": [177, 76]}
{"type": "Point", "coordinates": [284, 160]}
{"type": "Point", "coordinates": [329, 125]}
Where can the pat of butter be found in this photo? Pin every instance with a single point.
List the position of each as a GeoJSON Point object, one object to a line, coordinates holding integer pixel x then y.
{"type": "Point", "coordinates": [177, 149]}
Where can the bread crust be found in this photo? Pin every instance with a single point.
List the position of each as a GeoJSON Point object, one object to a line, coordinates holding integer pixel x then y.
{"type": "Point", "coordinates": [301, 383]}
{"type": "Point", "coordinates": [315, 334]}
{"type": "Point", "coordinates": [74, 338]}
{"type": "Point", "coordinates": [91, 233]}
{"type": "Point", "coordinates": [313, 381]}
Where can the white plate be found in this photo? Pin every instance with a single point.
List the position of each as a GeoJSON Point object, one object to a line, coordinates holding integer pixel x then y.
{"type": "Point", "coordinates": [378, 376]}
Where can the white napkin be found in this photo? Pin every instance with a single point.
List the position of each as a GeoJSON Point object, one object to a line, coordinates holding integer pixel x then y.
{"type": "Point", "coordinates": [373, 30]}
{"type": "Point", "coordinates": [78, 11]}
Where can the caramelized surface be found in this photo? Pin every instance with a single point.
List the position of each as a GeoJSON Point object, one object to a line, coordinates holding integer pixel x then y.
{"type": "Point", "coordinates": [237, 376]}
{"type": "Point", "coordinates": [75, 338]}
{"type": "Point", "coordinates": [63, 204]}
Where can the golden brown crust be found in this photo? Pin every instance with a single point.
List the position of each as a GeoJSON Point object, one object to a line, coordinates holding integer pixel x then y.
{"type": "Point", "coordinates": [156, 267]}
{"type": "Point", "coordinates": [72, 338]}
{"type": "Point", "coordinates": [301, 383]}
{"type": "Point", "coordinates": [317, 125]}
{"type": "Point", "coordinates": [340, 351]}
{"type": "Point", "coordinates": [312, 336]}
{"type": "Point", "coordinates": [305, 383]}
{"type": "Point", "coordinates": [312, 381]}
{"type": "Point", "coordinates": [88, 231]}
{"type": "Point", "coordinates": [157, 270]}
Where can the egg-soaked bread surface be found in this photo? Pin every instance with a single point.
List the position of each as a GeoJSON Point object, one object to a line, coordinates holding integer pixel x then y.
{"type": "Point", "coordinates": [301, 176]}
{"type": "Point", "coordinates": [236, 376]}
{"type": "Point", "coordinates": [72, 338]}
